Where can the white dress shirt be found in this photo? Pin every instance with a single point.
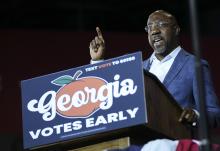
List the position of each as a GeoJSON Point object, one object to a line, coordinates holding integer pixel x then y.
{"type": "Point", "coordinates": [160, 68]}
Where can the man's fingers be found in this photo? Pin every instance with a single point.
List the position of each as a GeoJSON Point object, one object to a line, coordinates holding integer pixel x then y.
{"type": "Point", "coordinates": [99, 33]}
{"type": "Point", "coordinates": [182, 116]}
{"type": "Point", "coordinates": [97, 40]}
{"type": "Point", "coordinates": [192, 117]}
{"type": "Point", "coordinates": [188, 116]}
{"type": "Point", "coordinates": [93, 46]}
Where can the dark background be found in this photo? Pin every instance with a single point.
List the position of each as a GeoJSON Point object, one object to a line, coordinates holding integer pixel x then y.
{"type": "Point", "coordinates": [39, 37]}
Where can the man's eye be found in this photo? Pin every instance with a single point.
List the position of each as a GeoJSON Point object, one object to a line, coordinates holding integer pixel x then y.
{"type": "Point", "coordinates": [149, 26]}
{"type": "Point", "coordinates": [163, 24]}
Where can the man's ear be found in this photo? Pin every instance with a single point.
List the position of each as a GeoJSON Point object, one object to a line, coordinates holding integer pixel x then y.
{"type": "Point", "coordinates": [177, 30]}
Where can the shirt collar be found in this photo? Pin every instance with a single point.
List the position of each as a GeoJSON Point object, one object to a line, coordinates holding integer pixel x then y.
{"type": "Point", "coordinates": [172, 54]}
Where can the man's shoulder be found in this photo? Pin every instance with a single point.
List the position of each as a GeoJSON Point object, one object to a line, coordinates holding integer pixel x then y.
{"type": "Point", "coordinates": [191, 57]}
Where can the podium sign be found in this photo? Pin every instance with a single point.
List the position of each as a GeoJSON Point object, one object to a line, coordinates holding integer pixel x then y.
{"type": "Point", "coordinates": [83, 101]}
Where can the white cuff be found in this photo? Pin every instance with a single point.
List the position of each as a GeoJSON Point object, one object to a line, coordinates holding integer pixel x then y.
{"type": "Point", "coordinates": [96, 61]}
{"type": "Point", "coordinates": [198, 115]}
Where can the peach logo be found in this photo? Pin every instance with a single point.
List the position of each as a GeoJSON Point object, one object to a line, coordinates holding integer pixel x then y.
{"type": "Point", "coordinates": [84, 99]}
{"type": "Point", "coordinates": [80, 97]}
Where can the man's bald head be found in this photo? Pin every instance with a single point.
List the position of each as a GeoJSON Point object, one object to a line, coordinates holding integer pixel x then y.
{"type": "Point", "coordinates": [166, 15]}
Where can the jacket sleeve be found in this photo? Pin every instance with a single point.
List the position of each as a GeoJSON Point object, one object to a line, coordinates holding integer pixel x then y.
{"type": "Point", "coordinates": [212, 103]}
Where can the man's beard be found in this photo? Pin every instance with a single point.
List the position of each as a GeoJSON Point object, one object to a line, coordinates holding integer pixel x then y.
{"type": "Point", "coordinates": [159, 50]}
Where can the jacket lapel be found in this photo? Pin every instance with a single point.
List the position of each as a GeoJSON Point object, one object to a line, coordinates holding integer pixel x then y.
{"type": "Point", "coordinates": [176, 67]}
{"type": "Point", "coordinates": [146, 65]}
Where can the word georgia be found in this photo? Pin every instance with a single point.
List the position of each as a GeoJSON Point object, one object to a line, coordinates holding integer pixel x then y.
{"type": "Point", "coordinates": [48, 105]}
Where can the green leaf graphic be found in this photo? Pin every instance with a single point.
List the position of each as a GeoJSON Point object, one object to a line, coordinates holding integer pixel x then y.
{"type": "Point", "coordinates": [63, 80]}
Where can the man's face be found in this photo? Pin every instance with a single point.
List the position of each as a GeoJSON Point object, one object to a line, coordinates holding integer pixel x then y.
{"type": "Point", "coordinates": [161, 33]}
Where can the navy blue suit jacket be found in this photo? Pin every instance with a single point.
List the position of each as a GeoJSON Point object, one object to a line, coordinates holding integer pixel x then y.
{"type": "Point", "coordinates": [181, 82]}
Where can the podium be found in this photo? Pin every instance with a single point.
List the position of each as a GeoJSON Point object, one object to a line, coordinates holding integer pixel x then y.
{"type": "Point", "coordinates": [163, 110]}
{"type": "Point", "coordinates": [112, 104]}
{"type": "Point", "coordinates": [163, 113]}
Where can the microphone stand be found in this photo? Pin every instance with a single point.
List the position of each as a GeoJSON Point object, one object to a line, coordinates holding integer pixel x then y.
{"type": "Point", "coordinates": [203, 127]}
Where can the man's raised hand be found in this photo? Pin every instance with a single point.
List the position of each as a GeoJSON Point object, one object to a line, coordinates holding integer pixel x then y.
{"type": "Point", "coordinates": [97, 46]}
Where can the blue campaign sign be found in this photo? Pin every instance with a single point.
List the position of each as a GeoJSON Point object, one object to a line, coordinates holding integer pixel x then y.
{"type": "Point", "coordinates": [83, 101]}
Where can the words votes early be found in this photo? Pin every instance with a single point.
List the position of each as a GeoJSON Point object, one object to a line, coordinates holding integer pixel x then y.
{"type": "Point", "coordinates": [88, 123]}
